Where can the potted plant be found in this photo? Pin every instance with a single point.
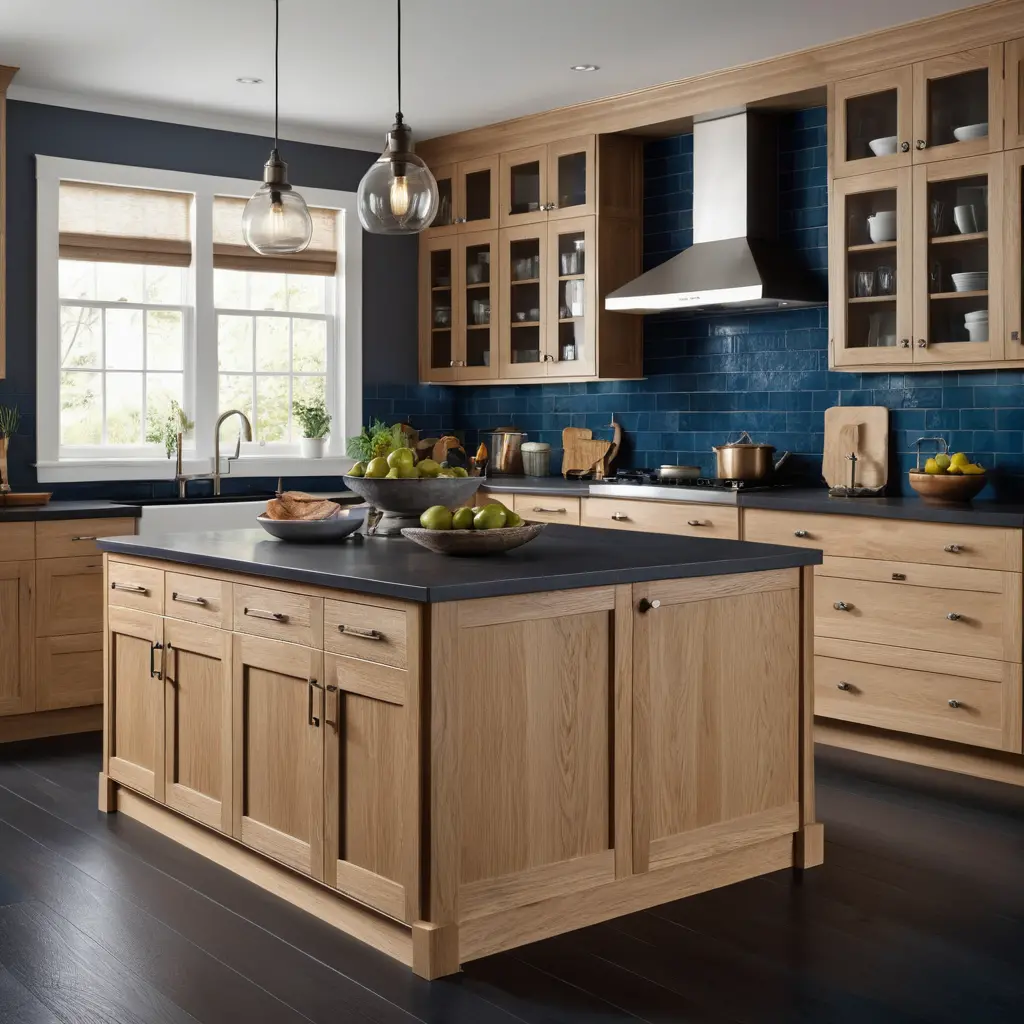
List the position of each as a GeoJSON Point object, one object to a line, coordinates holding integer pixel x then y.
{"type": "Point", "coordinates": [9, 420]}
{"type": "Point", "coordinates": [316, 425]}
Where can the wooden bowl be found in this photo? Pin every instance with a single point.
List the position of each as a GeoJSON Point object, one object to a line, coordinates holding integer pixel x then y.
{"type": "Point", "coordinates": [945, 488]}
{"type": "Point", "coordinates": [473, 542]}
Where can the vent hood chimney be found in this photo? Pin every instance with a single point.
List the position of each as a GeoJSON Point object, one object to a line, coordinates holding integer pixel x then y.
{"type": "Point", "coordinates": [735, 261]}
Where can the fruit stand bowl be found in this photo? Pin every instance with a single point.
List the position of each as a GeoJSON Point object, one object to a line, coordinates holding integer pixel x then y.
{"type": "Point", "coordinates": [945, 488]}
{"type": "Point", "coordinates": [403, 501]}
{"type": "Point", "coordinates": [474, 542]}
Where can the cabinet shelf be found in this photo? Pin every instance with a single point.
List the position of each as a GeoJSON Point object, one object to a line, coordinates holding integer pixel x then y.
{"type": "Point", "coordinates": [571, 277]}
{"type": "Point", "coordinates": [478, 284]}
{"type": "Point", "coordinates": [976, 236]}
{"type": "Point", "coordinates": [440, 330]}
{"type": "Point", "coordinates": [441, 288]}
{"type": "Point", "coordinates": [959, 295]}
{"type": "Point", "coordinates": [873, 246]}
{"type": "Point", "coordinates": [478, 327]}
{"type": "Point", "coordinates": [526, 280]}
{"type": "Point", "coordinates": [857, 300]}
{"type": "Point", "coordinates": [569, 319]}
{"type": "Point", "coordinates": [526, 323]}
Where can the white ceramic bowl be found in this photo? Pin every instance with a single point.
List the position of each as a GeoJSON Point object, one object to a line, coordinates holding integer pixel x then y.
{"type": "Point", "coordinates": [976, 316]}
{"type": "Point", "coordinates": [884, 146]}
{"type": "Point", "coordinates": [978, 330]}
{"type": "Point", "coordinates": [975, 281]}
{"type": "Point", "coordinates": [971, 131]}
{"type": "Point", "coordinates": [882, 226]}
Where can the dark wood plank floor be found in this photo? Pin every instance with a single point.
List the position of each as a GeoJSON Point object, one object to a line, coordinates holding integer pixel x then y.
{"type": "Point", "coordinates": [917, 916]}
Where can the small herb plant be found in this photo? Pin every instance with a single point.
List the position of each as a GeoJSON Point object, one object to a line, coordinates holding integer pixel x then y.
{"type": "Point", "coordinates": [166, 433]}
{"type": "Point", "coordinates": [376, 441]}
{"type": "Point", "coordinates": [314, 417]}
{"type": "Point", "coordinates": [9, 420]}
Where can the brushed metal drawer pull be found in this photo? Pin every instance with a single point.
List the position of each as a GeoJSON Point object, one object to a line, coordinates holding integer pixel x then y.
{"type": "Point", "coordinates": [84, 538]}
{"type": "Point", "coordinates": [541, 508]}
{"type": "Point", "coordinates": [188, 599]}
{"type": "Point", "coordinates": [363, 634]}
{"type": "Point", "coordinates": [952, 549]}
{"type": "Point", "coordinates": [645, 606]}
{"type": "Point", "coordinates": [800, 533]}
{"type": "Point", "coordinates": [899, 576]}
{"type": "Point", "coordinates": [698, 522]}
{"type": "Point", "coordinates": [953, 703]}
{"type": "Point", "coordinates": [129, 588]}
{"type": "Point", "coordinates": [954, 616]}
{"type": "Point", "coordinates": [842, 606]}
{"type": "Point", "coordinates": [843, 685]}
{"type": "Point", "coordinates": [256, 613]}
{"type": "Point", "coordinates": [619, 517]}
{"type": "Point", "coordinates": [153, 673]}
{"type": "Point", "coordinates": [313, 685]}
{"type": "Point", "coordinates": [331, 688]}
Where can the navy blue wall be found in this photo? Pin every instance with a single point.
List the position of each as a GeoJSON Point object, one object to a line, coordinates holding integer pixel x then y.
{"type": "Point", "coordinates": [389, 264]}
{"type": "Point", "coordinates": [709, 377]}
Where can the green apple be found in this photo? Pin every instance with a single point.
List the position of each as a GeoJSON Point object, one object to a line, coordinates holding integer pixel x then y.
{"type": "Point", "coordinates": [428, 467]}
{"type": "Point", "coordinates": [377, 469]}
{"type": "Point", "coordinates": [401, 457]}
{"type": "Point", "coordinates": [437, 517]}
{"type": "Point", "coordinates": [462, 519]}
{"type": "Point", "coordinates": [491, 517]}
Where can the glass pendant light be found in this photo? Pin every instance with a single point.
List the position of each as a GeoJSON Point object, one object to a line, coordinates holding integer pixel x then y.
{"type": "Point", "coordinates": [398, 194]}
{"type": "Point", "coordinates": [275, 220]}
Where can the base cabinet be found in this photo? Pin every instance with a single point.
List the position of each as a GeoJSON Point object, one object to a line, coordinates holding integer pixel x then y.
{"type": "Point", "coordinates": [17, 678]}
{"type": "Point", "coordinates": [69, 671]}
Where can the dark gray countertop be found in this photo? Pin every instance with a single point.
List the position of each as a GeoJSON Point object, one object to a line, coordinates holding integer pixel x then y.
{"type": "Point", "coordinates": [69, 510]}
{"type": "Point", "coordinates": [563, 557]}
{"type": "Point", "coordinates": [536, 485]}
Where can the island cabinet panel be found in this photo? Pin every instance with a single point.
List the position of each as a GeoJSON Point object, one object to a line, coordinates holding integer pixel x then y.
{"type": "Point", "coordinates": [534, 681]}
{"type": "Point", "coordinates": [68, 596]}
{"type": "Point", "coordinates": [69, 671]}
{"type": "Point", "coordinates": [135, 708]}
{"type": "Point", "coordinates": [197, 717]}
{"type": "Point", "coordinates": [17, 690]}
{"type": "Point", "coordinates": [278, 749]}
{"type": "Point", "coordinates": [716, 681]}
{"type": "Point", "coordinates": [368, 760]}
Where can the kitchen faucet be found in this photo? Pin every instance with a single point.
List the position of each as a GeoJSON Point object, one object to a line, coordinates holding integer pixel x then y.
{"type": "Point", "coordinates": [245, 431]}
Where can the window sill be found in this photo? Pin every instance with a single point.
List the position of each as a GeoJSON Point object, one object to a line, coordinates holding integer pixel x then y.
{"type": "Point", "coordinates": [69, 471]}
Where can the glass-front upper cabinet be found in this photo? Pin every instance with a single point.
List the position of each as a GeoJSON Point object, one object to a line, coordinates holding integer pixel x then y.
{"type": "Point", "coordinates": [570, 336]}
{"type": "Point", "coordinates": [440, 285]}
{"type": "Point", "coordinates": [1013, 171]}
{"type": "Point", "coordinates": [524, 186]}
{"type": "Point", "coordinates": [958, 105]}
{"type": "Point", "coordinates": [1014, 94]}
{"type": "Point", "coordinates": [477, 319]}
{"type": "Point", "coordinates": [444, 221]}
{"type": "Point", "coordinates": [477, 194]}
{"type": "Point", "coordinates": [548, 182]}
{"type": "Point", "coordinates": [872, 121]}
{"type": "Point", "coordinates": [958, 260]}
{"type": "Point", "coordinates": [871, 269]}
{"type": "Point", "coordinates": [522, 301]}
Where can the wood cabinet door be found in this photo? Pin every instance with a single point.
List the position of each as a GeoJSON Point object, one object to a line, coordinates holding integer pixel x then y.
{"type": "Point", "coordinates": [476, 306]}
{"type": "Point", "coordinates": [197, 716]}
{"type": "Point", "coordinates": [878, 109]}
{"type": "Point", "coordinates": [440, 287]}
{"type": "Point", "coordinates": [1014, 128]}
{"type": "Point", "coordinates": [278, 751]}
{"type": "Point", "coordinates": [524, 186]}
{"type": "Point", "coordinates": [522, 301]}
{"type": "Point", "coordinates": [17, 675]}
{"type": "Point", "coordinates": [1013, 253]}
{"type": "Point", "coordinates": [570, 331]}
{"type": "Point", "coordinates": [371, 805]}
{"type": "Point", "coordinates": [476, 190]}
{"type": "Point", "coordinates": [445, 220]}
{"type": "Point", "coordinates": [69, 671]}
{"type": "Point", "coordinates": [134, 700]}
{"type": "Point", "coordinates": [572, 177]}
{"type": "Point", "coordinates": [69, 595]}
{"type": "Point", "coordinates": [716, 730]}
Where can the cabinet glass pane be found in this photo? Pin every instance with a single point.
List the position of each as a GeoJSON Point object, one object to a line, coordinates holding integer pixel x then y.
{"type": "Point", "coordinates": [572, 312]}
{"type": "Point", "coordinates": [572, 180]}
{"type": "Point", "coordinates": [871, 125]}
{"type": "Point", "coordinates": [445, 204]}
{"type": "Point", "coordinates": [958, 106]}
{"type": "Point", "coordinates": [871, 269]}
{"type": "Point", "coordinates": [440, 308]}
{"type": "Point", "coordinates": [478, 195]}
{"type": "Point", "coordinates": [524, 299]}
{"type": "Point", "coordinates": [477, 275]}
{"type": "Point", "coordinates": [525, 182]}
{"type": "Point", "coordinates": [958, 260]}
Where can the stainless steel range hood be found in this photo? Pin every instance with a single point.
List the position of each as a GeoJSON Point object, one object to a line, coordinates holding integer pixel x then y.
{"type": "Point", "coordinates": [736, 260]}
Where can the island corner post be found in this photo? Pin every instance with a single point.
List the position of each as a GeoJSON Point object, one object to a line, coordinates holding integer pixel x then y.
{"type": "Point", "coordinates": [485, 772]}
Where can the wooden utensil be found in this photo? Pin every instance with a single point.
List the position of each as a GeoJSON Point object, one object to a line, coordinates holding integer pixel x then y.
{"type": "Point", "coordinates": [863, 429]}
{"type": "Point", "coordinates": [582, 453]}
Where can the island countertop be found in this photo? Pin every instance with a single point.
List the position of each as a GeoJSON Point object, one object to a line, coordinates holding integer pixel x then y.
{"type": "Point", "coordinates": [563, 557]}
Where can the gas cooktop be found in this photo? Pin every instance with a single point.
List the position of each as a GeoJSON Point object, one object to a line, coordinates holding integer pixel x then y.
{"type": "Point", "coordinates": [647, 483]}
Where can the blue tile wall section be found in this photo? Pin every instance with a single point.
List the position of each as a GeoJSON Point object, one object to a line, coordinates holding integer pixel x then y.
{"type": "Point", "coordinates": [710, 377]}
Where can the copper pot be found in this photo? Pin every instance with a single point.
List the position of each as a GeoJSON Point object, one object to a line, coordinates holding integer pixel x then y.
{"type": "Point", "coordinates": [746, 460]}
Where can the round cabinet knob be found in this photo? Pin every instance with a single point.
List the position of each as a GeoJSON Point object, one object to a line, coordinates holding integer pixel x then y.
{"type": "Point", "coordinates": [954, 703]}
{"type": "Point", "coordinates": [904, 343]}
{"type": "Point", "coordinates": [841, 606]}
{"type": "Point", "coordinates": [921, 144]}
{"type": "Point", "coordinates": [648, 606]}
{"type": "Point", "coordinates": [952, 549]}
{"type": "Point", "coordinates": [844, 685]}
{"type": "Point", "coordinates": [452, 363]}
{"type": "Point", "coordinates": [799, 533]}
{"type": "Point", "coordinates": [922, 342]}
{"type": "Point", "coordinates": [905, 147]}
{"type": "Point", "coordinates": [954, 616]}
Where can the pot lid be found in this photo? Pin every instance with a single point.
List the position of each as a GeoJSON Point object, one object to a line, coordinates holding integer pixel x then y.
{"type": "Point", "coordinates": [745, 441]}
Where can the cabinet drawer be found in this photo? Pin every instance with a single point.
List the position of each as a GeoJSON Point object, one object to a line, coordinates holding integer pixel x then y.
{"type": "Point", "coordinates": [69, 596]}
{"type": "Point", "coordinates": [961, 622]}
{"type": "Point", "coordinates": [69, 537]}
{"type": "Point", "coordinates": [135, 586]}
{"type": "Point", "coordinates": [918, 574]}
{"type": "Point", "coordinates": [966, 709]}
{"type": "Point", "coordinates": [978, 547]}
{"type": "Point", "coordinates": [69, 671]}
{"type": "Point", "coordinates": [197, 599]}
{"type": "Point", "coordinates": [482, 497]}
{"type": "Point", "coordinates": [662, 517]}
{"type": "Point", "coordinates": [536, 508]}
{"type": "Point", "coordinates": [17, 542]}
{"type": "Point", "coordinates": [366, 632]}
{"type": "Point", "coordinates": [279, 615]}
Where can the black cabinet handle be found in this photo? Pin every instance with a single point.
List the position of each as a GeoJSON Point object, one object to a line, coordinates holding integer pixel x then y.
{"type": "Point", "coordinates": [313, 720]}
{"type": "Point", "coordinates": [153, 673]}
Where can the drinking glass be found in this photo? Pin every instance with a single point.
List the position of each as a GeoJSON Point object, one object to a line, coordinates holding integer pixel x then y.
{"type": "Point", "coordinates": [886, 280]}
{"type": "Point", "coordinates": [865, 283]}
{"type": "Point", "coordinates": [937, 217]}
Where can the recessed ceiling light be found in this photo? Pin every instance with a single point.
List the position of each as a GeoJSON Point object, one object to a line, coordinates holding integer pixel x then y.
{"type": "Point", "coordinates": [585, 67]}
{"type": "Point", "coordinates": [249, 81]}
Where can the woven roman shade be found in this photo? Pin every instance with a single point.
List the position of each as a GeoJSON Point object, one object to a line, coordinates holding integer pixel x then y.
{"type": "Point", "coordinates": [231, 253]}
{"type": "Point", "coordinates": [111, 224]}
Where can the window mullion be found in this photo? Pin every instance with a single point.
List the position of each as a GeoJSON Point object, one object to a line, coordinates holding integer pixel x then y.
{"type": "Point", "coordinates": [204, 334]}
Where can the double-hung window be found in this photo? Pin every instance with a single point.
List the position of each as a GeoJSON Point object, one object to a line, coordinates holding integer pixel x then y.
{"type": "Point", "coordinates": [148, 298]}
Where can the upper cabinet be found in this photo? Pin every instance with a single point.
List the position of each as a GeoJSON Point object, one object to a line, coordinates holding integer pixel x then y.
{"type": "Point", "coordinates": [1014, 128]}
{"type": "Point", "coordinates": [948, 107]}
{"type": "Point", "coordinates": [6, 74]}
{"type": "Point", "coordinates": [467, 197]}
{"type": "Point", "coordinates": [1013, 178]}
{"type": "Point", "coordinates": [548, 182]}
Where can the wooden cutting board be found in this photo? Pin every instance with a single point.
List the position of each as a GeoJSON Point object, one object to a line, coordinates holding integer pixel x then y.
{"type": "Point", "coordinates": [863, 429]}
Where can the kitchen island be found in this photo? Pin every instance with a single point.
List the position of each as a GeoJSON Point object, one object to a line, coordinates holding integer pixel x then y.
{"type": "Point", "coordinates": [451, 757]}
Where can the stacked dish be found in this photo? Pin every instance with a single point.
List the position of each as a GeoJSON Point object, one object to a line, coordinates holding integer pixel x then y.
{"type": "Point", "coordinates": [973, 281]}
{"type": "Point", "coordinates": [977, 325]}
{"type": "Point", "coordinates": [971, 131]}
{"type": "Point", "coordinates": [883, 147]}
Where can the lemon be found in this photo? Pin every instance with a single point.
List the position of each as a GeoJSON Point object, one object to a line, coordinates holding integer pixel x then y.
{"type": "Point", "coordinates": [942, 460]}
{"type": "Point", "coordinates": [491, 517]}
{"type": "Point", "coordinates": [359, 469]}
{"type": "Point", "coordinates": [973, 469]}
{"type": "Point", "coordinates": [428, 467]}
{"type": "Point", "coordinates": [401, 457]}
{"type": "Point", "coordinates": [437, 517]}
{"type": "Point", "coordinates": [960, 460]}
{"type": "Point", "coordinates": [463, 519]}
{"type": "Point", "coordinates": [955, 470]}
{"type": "Point", "coordinates": [376, 469]}
{"type": "Point", "coordinates": [931, 466]}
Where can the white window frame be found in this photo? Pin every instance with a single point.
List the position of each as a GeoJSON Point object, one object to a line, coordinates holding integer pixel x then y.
{"type": "Point", "coordinates": [344, 363]}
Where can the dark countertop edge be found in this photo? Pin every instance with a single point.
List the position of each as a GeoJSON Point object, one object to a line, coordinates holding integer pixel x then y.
{"type": "Point", "coordinates": [521, 485]}
{"type": "Point", "coordinates": [793, 558]}
{"type": "Point", "coordinates": [69, 510]}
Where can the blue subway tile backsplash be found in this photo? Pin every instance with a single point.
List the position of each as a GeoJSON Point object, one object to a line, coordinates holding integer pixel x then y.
{"type": "Point", "coordinates": [710, 377]}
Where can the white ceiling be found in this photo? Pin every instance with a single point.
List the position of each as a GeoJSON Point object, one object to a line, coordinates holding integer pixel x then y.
{"type": "Point", "coordinates": [467, 62]}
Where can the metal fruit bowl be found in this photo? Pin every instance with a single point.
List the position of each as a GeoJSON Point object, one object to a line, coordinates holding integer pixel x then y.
{"type": "Point", "coordinates": [314, 531]}
{"type": "Point", "coordinates": [474, 542]}
{"type": "Point", "coordinates": [403, 501]}
{"type": "Point", "coordinates": [946, 488]}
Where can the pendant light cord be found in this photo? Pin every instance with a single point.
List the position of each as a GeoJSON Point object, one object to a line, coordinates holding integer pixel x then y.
{"type": "Point", "coordinates": [399, 118]}
{"type": "Point", "coordinates": [277, 47]}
